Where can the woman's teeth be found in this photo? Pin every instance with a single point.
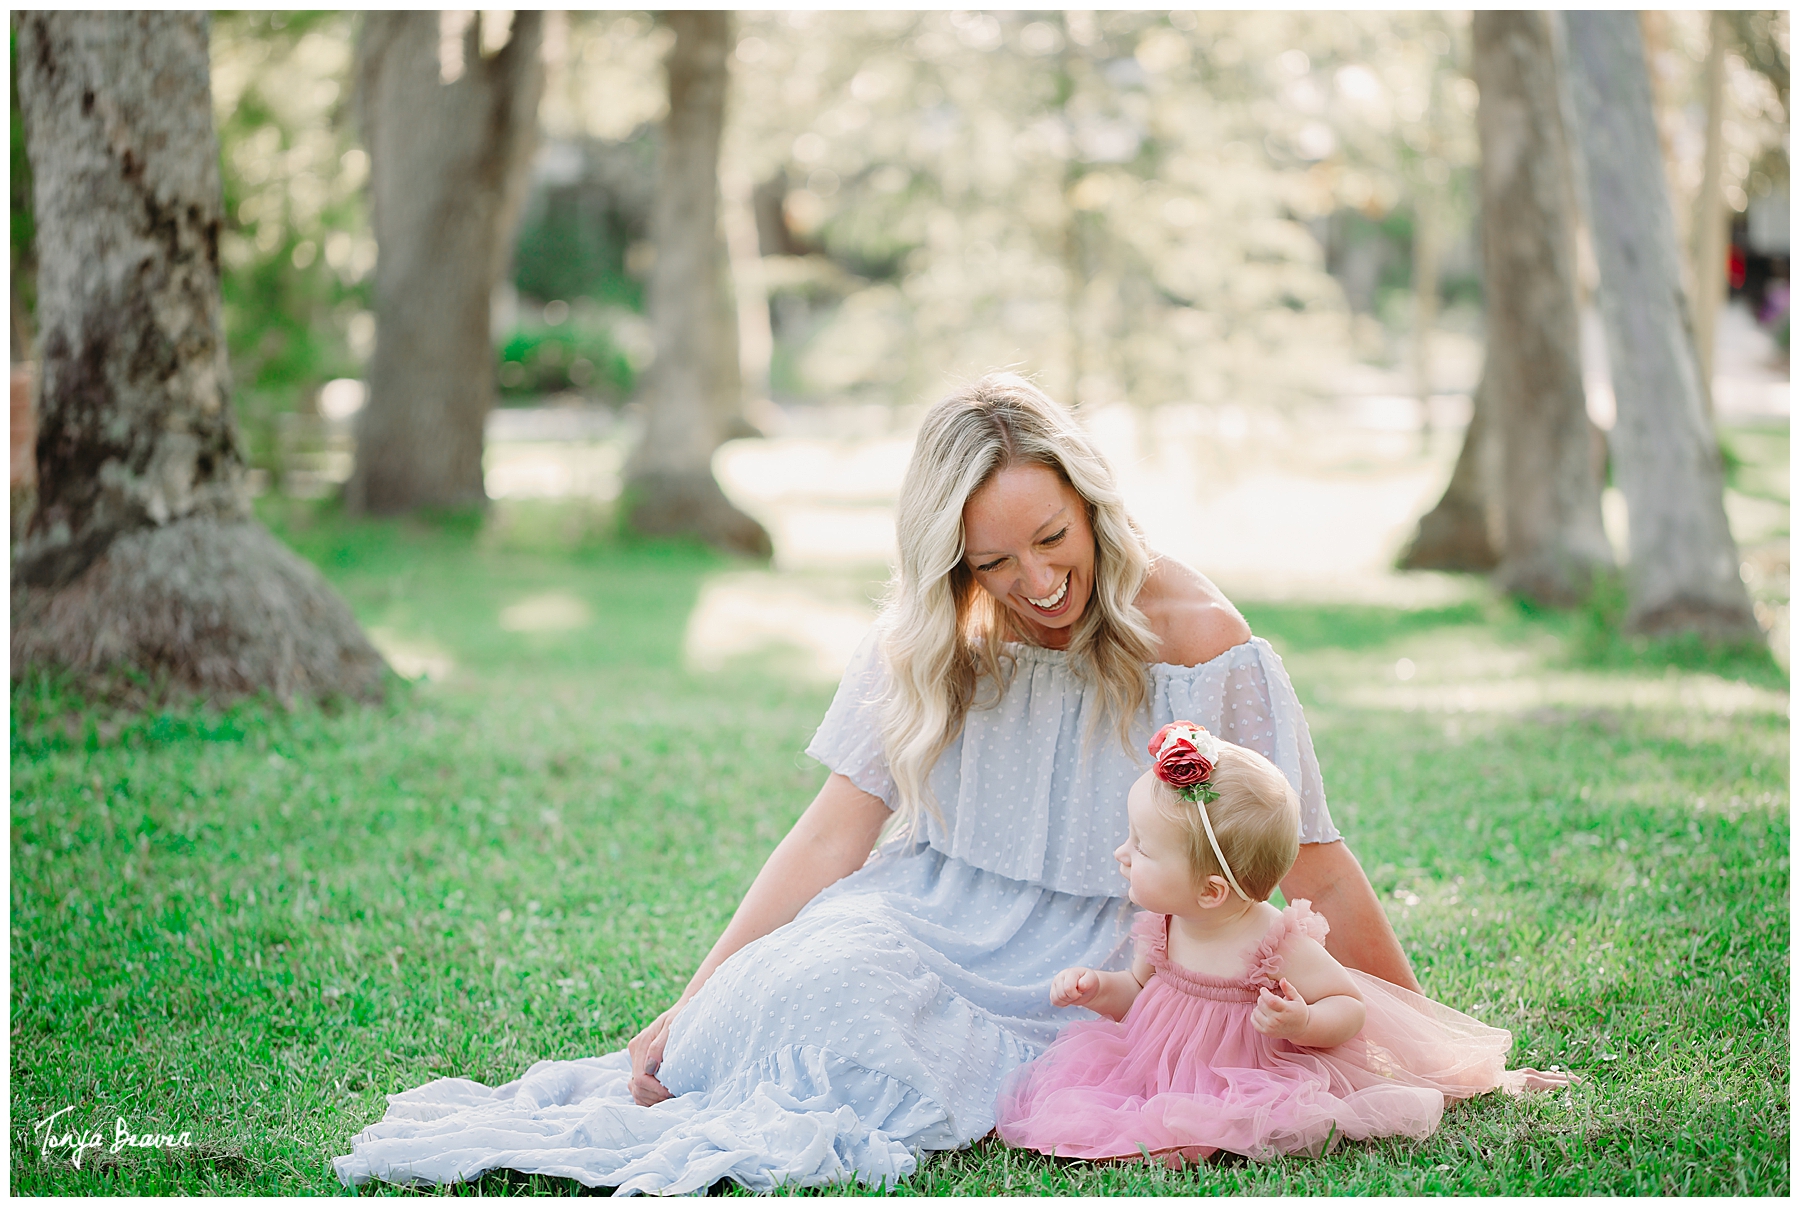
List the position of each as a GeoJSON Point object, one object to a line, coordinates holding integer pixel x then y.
{"type": "Point", "coordinates": [1053, 600]}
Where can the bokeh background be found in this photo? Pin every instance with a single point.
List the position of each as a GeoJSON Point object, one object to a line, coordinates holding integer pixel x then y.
{"type": "Point", "coordinates": [1246, 247]}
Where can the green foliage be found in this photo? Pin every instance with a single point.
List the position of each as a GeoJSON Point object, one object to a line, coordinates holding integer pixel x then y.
{"type": "Point", "coordinates": [874, 228]}
{"type": "Point", "coordinates": [1394, 230]}
{"type": "Point", "coordinates": [565, 251]}
{"type": "Point", "coordinates": [1762, 38]}
{"type": "Point", "coordinates": [294, 245]}
{"type": "Point", "coordinates": [580, 355]}
{"type": "Point", "coordinates": [1755, 460]}
{"type": "Point", "coordinates": [254, 923]}
{"type": "Point", "coordinates": [296, 253]}
{"type": "Point", "coordinates": [1729, 461]}
{"type": "Point", "coordinates": [1135, 185]}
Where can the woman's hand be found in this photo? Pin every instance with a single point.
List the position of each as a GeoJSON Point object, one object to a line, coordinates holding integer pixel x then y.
{"type": "Point", "coordinates": [1074, 987]}
{"type": "Point", "coordinates": [831, 840]}
{"type": "Point", "coordinates": [646, 1048]}
{"type": "Point", "coordinates": [1283, 1016]}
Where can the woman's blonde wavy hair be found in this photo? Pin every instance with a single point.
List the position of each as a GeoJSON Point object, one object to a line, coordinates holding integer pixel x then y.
{"type": "Point", "coordinates": [943, 633]}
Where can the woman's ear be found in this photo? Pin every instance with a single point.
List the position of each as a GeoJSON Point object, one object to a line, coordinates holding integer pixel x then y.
{"type": "Point", "coordinates": [1214, 892]}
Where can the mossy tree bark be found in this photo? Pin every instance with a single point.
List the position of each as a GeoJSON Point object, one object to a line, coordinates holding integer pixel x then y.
{"type": "Point", "coordinates": [140, 553]}
{"type": "Point", "coordinates": [1553, 542]}
{"type": "Point", "coordinates": [670, 488]}
{"type": "Point", "coordinates": [1684, 574]}
{"type": "Point", "coordinates": [447, 174]}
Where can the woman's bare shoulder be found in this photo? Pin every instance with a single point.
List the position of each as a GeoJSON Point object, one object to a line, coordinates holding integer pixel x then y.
{"type": "Point", "coordinates": [1191, 618]}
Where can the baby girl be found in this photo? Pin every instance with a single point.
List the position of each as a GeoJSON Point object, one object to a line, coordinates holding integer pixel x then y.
{"type": "Point", "coordinates": [1235, 1029]}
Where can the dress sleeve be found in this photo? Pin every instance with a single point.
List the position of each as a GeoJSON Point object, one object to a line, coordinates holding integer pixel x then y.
{"type": "Point", "coordinates": [1151, 933]}
{"type": "Point", "coordinates": [848, 740]}
{"type": "Point", "coordinates": [1297, 919]}
{"type": "Point", "coordinates": [1302, 919]}
{"type": "Point", "coordinates": [1260, 710]}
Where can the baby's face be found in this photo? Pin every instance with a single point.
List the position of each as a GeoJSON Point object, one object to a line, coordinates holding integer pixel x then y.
{"type": "Point", "coordinates": [1154, 857]}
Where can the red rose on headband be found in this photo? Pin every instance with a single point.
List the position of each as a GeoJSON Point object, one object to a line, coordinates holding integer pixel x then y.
{"type": "Point", "coordinates": [1184, 754]}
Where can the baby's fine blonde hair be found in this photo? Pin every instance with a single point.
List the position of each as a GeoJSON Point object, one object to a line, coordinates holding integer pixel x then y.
{"type": "Point", "coordinates": [1256, 819]}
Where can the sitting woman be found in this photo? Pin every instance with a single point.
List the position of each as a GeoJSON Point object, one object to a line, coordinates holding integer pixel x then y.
{"type": "Point", "coordinates": [858, 1008]}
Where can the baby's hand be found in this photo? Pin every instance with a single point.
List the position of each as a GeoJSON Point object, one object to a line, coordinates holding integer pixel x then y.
{"type": "Point", "coordinates": [1284, 1017]}
{"type": "Point", "coordinates": [1074, 987]}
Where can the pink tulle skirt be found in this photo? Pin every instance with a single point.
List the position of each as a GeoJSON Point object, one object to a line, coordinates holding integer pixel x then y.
{"type": "Point", "coordinates": [1185, 1073]}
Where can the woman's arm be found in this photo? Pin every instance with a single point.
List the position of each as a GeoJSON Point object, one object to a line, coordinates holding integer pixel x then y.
{"type": "Point", "coordinates": [1196, 623]}
{"type": "Point", "coordinates": [832, 839]}
{"type": "Point", "coordinates": [1327, 874]}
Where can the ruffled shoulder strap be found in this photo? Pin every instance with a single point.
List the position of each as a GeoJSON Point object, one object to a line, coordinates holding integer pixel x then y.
{"type": "Point", "coordinates": [1298, 918]}
{"type": "Point", "coordinates": [1151, 931]}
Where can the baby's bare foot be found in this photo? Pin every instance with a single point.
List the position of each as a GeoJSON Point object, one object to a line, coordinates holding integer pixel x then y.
{"type": "Point", "coordinates": [1537, 1079]}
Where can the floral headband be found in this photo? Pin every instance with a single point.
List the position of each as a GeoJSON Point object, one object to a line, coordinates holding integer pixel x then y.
{"type": "Point", "coordinates": [1185, 755]}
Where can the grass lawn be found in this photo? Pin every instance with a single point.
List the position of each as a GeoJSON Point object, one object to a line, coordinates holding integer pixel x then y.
{"type": "Point", "coordinates": [250, 924]}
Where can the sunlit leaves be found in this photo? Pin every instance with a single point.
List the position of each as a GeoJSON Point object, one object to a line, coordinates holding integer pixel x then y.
{"type": "Point", "coordinates": [296, 250]}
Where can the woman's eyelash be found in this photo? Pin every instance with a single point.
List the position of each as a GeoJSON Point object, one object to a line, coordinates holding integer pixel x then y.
{"type": "Point", "coordinates": [1049, 540]}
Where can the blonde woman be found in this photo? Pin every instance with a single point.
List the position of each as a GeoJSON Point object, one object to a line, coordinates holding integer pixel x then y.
{"type": "Point", "coordinates": [859, 1008]}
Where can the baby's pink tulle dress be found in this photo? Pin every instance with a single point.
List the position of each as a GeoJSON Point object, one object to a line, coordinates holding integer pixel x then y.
{"type": "Point", "coordinates": [1184, 1073]}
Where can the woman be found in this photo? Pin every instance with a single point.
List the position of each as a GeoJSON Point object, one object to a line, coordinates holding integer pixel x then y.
{"type": "Point", "coordinates": [860, 1008]}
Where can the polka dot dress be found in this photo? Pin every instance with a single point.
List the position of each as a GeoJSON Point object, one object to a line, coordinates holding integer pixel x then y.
{"type": "Point", "coordinates": [882, 1020]}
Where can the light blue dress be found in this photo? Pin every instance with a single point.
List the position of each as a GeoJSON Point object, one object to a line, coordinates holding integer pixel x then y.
{"type": "Point", "coordinates": [881, 1020]}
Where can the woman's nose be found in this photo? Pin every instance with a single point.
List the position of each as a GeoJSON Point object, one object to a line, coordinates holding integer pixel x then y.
{"type": "Point", "coordinates": [1041, 579]}
{"type": "Point", "coordinates": [1034, 567]}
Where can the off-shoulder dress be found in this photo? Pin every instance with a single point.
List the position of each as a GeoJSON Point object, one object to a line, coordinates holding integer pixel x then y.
{"type": "Point", "coordinates": [882, 1020]}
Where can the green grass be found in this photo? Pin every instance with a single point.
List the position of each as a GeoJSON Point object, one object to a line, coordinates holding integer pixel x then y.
{"type": "Point", "coordinates": [252, 923]}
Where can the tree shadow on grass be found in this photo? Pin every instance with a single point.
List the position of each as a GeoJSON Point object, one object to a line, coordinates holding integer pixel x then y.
{"type": "Point", "coordinates": [1590, 637]}
{"type": "Point", "coordinates": [446, 582]}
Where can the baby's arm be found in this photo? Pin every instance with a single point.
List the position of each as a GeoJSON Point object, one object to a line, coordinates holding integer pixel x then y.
{"type": "Point", "coordinates": [1318, 1007]}
{"type": "Point", "coordinates": [1108, 993]}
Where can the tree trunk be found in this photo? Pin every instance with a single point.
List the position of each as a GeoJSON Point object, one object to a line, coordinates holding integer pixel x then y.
{"type": "Point", "coordinates": [756, 339]}
{"type": "Point", "coordinates": [1653, 31]}
{"type": "Point", "coordinates": [447, 176]}
{"type": "Point", "coordinates": [141, 553]}
{"type": "Point", "coordinates": [1425, 305]}
{"type": "Point", "coordinates": [24, 448]}
{"type": "Point", "coordinates": [727, 386]}
{"type": "Point", "coordinates": [670, 486]}
{"type": "Point", "coordinates": [1462, 531]}
{"type": "Point", "coordinates": [1684, 563]}
{"type": "Point", "coordinates": [1554, 541]}
{"type": "Point", "coordinates": [1709, 212]}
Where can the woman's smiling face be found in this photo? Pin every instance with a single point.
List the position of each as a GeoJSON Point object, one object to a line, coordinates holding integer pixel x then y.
{"type": "Point", "coordinates": [1027, 539]}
